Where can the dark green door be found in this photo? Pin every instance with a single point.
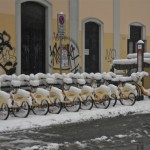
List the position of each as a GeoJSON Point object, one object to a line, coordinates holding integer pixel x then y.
{"type": "Point", "coordinates": [92, 47]}
{"type": "Point", "coordinates": [32, 38]}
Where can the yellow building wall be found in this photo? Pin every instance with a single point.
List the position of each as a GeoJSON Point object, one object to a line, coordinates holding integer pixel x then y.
{"type": "Point", "coordinates": [8, 20]}
{"type": "Point", "coordinates": [8, 24]}
{"type": "Point", "coordinates": [130, 11]}
{"type": "Point", "coordinates": [80, 42]}
{"type": "Point", "coordinates": [108, 51]}
{"type": "Point", "coordinates": [133, 11]}
{"type": "Point", "coordinates": [58, 7]}
{"type": "Point", "coordinates": [7, 17]}
{"type": "Point", "coordinates": [123, 46]}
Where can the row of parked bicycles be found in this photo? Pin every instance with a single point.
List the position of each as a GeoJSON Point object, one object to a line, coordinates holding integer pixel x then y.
{"type": "Point", "coordinates": [43, 93]}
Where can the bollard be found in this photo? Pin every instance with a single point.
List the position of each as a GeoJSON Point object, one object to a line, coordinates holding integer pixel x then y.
{"type": "Point", "coordinates": [140, 59]}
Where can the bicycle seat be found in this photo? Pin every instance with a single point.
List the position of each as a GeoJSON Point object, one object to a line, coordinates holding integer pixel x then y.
{"type": "Point", "coordinates": [23, 92]}
{"type": "Point", "coordinates": [4, 95]}
{"type": "Point", "coordinates": [42, 91]}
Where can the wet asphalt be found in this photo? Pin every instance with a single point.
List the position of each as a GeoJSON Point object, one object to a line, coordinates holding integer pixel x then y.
{"type": "Point", "coordinates": [131, 132]}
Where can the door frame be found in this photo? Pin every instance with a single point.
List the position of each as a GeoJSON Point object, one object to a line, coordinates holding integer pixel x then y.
{"type": "Point", "coordinates": [48, 32]}
{"type": "Point", "coordinates": [101, 45]}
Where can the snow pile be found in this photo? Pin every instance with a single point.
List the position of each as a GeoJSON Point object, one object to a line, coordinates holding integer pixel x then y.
{"type": "Point", "coordinates": [81, 145]}
{"type": "Point", "coordinates": [15, 83]}
{"type": "Point", "coordinates": [50, 80]}
{"type": "Point", "coordinates": [130, 86]}
{"type": "Point", "coordinates": [102, 138]}
{"type": "Point", "coordinates": [58, 92]}
{"type": "Point", "coordinates": [23, 77]}
{"type": "Point", "coordinates": [40, 76]}
{"type": "Point", "coordinates": [97, 76]}
{"type": "Point", "coordinates": [50, 146]}
{"type": "Point", "coordinates": [124, 61]}
{"type": "Point", "coordinates": [121, 136]}
{"type": "Point", "coordinates": [81, 81]}
{"type": "Point", "coordinates": [4, 95]}
{"type": "Point", "coordinates": [67, 80]}
{"type": "Point", "coordinates": [134, 55]}
{"type": "Point", "coordinates": [34, 82]}
{"type": "Point", "coordinates": [125, 79]}
{"type": "Point", "coordinates": [114, 90]}
{"type": "Point", "coordinates": [86, 75]}
{"type": "Point", "coordinates": [138, 76]}
{"type": "Point", "coordinates": [107, 76]}
{"type": "Point", "coordinates": [42, 91]}
{"type": "Point", "coordinates": [104, 88]}
{"type": "Point", "coordinates": [23, 92]}
{"type": "Point", "coordinates": [87, 88]}
{"type": "Point", "coordinates": [75, 89]}
{"type": "Point", "coordinates": [34, 121]}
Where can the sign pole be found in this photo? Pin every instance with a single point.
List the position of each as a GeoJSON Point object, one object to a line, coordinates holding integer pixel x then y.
{"type": "Point", "coordinates": [61, 47]}
{"type": "Point", "coordinates": [61, 20]}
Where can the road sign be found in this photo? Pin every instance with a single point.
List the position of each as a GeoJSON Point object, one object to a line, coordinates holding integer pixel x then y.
{"type": "Point", "coordinates": [61, 22]}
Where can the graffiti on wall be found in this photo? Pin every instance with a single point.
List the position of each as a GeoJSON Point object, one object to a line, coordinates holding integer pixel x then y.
{"type": "Point", "coordinates": [110, 54]}
{"type": "Point", "coordinates": [70, 54]}
{"type": "Point", "coordinates": [7, 55]}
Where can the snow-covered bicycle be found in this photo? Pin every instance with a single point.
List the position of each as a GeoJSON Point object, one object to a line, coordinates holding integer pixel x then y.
{"type": "Point", "coordinates": [72, 99]}
{"type": "Point", "coordinates": [4, 102]}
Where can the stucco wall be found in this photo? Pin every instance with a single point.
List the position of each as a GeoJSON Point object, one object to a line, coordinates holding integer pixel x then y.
{"type": "Point", "coordinates": [132, 11]}
{"type": "Point", "coordinates": [7, 17]}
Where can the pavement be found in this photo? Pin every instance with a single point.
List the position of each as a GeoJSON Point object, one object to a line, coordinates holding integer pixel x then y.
{"type": "Point", "coordinates": [131, 132]}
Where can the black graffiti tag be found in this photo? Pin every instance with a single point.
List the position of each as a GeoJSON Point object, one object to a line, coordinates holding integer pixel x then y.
{"type": "Point", "coordinates": [7, 54]}
{"type": "Point", "coordinates": [72, 52]}
{"type": "Point", "coordinates": [110, 54]}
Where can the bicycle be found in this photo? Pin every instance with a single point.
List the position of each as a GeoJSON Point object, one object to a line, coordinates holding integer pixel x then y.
{"type": "Point", "coordinates": [4, 105]}
{"type": "Point", "coordinates": [137, 78]}
{"type": "Point", "coordinates": [55, 96]}
{"type": "Point", "coordinates": [40, 105]}
{"type": "Point", "coordinates": [72, 99]}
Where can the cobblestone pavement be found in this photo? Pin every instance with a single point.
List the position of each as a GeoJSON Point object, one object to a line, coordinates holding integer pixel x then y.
{"type": "Point", "coordinates": [130, 132]}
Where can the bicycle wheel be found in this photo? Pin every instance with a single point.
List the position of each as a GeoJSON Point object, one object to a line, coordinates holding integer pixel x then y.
{"type": "Point", "coordinates": [87, 104]}
{"type": "Point", "coordinates": [139, 93]}
{"type": "Point", "coordinates": [56, 107]}
{"type": "Point", "coordinates": [73, 106]}
{"type": "Point", "coordinates": [41, 109]}
{"type": "Point", "coordinates": [22, 111]}
{"type": "Point", "coordinates": [114, 98]}
{"type": "Point", "coordinates": [129, 101]}
{"type": "Point", "coordinates": [4, 112]}
{"type": "Point", "coordinates": [104, 103]}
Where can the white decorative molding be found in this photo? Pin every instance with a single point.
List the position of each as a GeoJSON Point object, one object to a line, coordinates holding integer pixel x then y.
{"type": "Point", "coordinates": [116, 27]}
{"type": "Point", "coordinates": [74, 23]}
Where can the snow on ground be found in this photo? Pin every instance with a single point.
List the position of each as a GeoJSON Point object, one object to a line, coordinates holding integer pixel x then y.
{"type": "Point", "coordinates": [64, 117]}
{"type": "Point", "coordinates": [51, 146]}
{"type": "Point", "coordinates": [102, 138]}
{"type": "Point", "coordinates": [121, 136]}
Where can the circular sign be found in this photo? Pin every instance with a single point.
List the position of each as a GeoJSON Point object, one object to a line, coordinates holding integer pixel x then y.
{"type": "Point", "coordinates": [61, 20]}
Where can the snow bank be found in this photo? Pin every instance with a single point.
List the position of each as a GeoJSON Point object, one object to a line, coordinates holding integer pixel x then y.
{"type": "Point", "coordinates": [34, 121]}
